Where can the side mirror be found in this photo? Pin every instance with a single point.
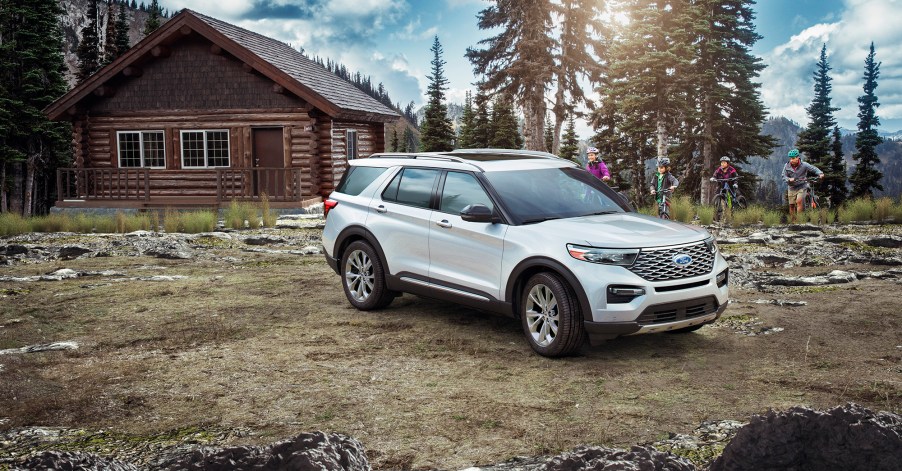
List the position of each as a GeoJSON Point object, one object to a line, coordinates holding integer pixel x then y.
{"type": "Point", "coordinates": [477, 213]}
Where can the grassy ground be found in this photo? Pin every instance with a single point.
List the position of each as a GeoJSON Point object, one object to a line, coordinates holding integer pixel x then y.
{"type": "Point", "coordinates": [267, 343]}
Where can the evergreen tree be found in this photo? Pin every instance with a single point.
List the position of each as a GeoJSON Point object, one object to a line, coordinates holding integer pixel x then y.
{"type": "Point", "coordinates": [549, 137]}
{"type": "Point", "coordinates": [518, 61]}
{"type": "Point", "coordinates": [866, 177]}
{"type": "Point", "coordinates": [467, 124]}
{"type": "Point", "coordinates": [835, 178]}
{"type": "Point", "coordinates": [729, 107]}
{"type": "Point", "coordinates": [437, 133]}
{"type": "Point", "coordinates": [122, 26]}
{"type": "Point", "coordinates": [814, 140]}
{"type": "Point", "coordinates": [482, 123]}
{"type": "Point", "coordinates": [578, 55]}
{"type": "Point", "coordinates": [570, 142]}
{"type": "Point", "coordinates": [410, 141]}
{"type": "Point", "coordinates": [505, 134]}
{"type": "Point", "coordinates": [109, 39]}
{"type": "Point", "coordinates": [153, 19]}
{"type": "Point", "coordinates": [88, 50]}
{"type": "Point", "coordinates": [31, 77]}
{"type": "Point", "coordinates": [394, 140]}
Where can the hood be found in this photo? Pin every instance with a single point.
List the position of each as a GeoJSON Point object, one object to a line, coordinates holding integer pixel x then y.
{"type": "Point", "coordinates": [625, 230]}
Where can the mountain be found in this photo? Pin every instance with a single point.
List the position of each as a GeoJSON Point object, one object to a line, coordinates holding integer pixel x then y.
{"type": "Point", "coordinates": [771, 188]}
{"type": "Point", "coordinates": [455, 113]}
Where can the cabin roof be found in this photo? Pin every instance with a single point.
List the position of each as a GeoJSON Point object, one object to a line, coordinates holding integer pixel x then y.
{"type": "Point", "coordinates": [274, 59]}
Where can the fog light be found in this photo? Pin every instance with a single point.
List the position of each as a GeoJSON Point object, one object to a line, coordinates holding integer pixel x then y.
{"type": "Point", "coordinates": [621, 294]}
{"type": "Point", "coordinates": [723, 278]}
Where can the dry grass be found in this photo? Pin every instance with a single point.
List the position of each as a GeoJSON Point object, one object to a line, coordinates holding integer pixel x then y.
{"type": "Point", "coordinates": [268, 342]}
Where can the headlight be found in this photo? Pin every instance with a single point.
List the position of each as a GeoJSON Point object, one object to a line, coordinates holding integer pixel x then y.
{"type": "Point", "coordinates": [711, 244]}
{"type": "Point", "coordinates": [624, 257]}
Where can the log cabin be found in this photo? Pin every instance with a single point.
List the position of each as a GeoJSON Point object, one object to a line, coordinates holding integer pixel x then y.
{"type": "Point", "coordinates": [202, 112]}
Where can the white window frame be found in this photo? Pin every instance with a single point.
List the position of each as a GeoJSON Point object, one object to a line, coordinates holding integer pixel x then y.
{"type": "Point", "coordinates": [140, 134]}
{"type": "Point", "coordinates": [206, 149]}
{"type": "Point", "coordinates": [349, 153]}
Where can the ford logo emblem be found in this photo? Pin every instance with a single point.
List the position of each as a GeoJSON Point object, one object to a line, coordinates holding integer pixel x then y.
{"type": "Point", "coordinates": [681, 260]}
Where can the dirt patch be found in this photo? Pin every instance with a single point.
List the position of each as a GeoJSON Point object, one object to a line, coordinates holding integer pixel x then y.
{"type": "Point", "coordinates": [266, 344]}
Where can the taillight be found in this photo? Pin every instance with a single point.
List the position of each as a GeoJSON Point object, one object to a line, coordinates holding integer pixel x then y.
{"type": "Point", "coordinates": [327, 206]}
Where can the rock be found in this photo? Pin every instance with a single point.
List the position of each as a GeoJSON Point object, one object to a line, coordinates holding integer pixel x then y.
{"type": "Point", "coordinates": [841, 239]}
{"type": "Point", "coordinates": [832, 278]}
{"type": "Point", "coordinates": [139, 234]}
{"type": "Point", "coordinates": [66, 460]}
{"type": "Point", "coordinates": [264, 240]}
{"type": "Point", "coordinates": [637, 458]}
{"type": "Point", "coordinates": [307, 451]}
{"type": "Point", "coordinates": [890, 242]}
{"type": "Point", "coordinates": [848, 437]}
{"type": "Point", "coordinates": [311, 250]}
{"type": "Point", "coordinates": [780, 302]}
{"type": "Point", "coordinates": [13, 249]}
{"type": "Point", "coordinates": [72, 251]}
{"type": "Point", "coordinates": [218, 235]}
{"type": "Point", "coordinates": [163, 278]}
{"type": "Point", "coordinates": [61, 274]}
{"type": "Point", "coordinates": [41, 348]}
{"type": "Point", "coordinates": [804, 227]}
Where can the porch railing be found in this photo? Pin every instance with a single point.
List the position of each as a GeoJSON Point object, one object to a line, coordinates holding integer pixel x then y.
{"type": "Point", "coordinates": [279, 184]}
{"type": "Point", "coordinates": [103, 183]}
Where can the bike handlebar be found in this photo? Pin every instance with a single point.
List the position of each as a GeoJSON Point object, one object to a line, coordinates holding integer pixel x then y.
{"type": "Point", "coordinates": [715, 179]}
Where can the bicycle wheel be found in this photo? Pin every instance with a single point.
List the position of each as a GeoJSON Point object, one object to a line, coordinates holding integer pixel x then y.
{"type": "Point", "coordinates": [719, 205]}
{"type": "Point", "coordinates": [740, 202]}
{"type": "Point", "coordinates": [810, 201]}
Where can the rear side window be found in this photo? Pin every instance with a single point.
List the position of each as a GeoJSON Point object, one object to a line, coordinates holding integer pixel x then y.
{"type": "Point", "coordinates": [358, 178]}
{"type": "Point", "coordinates": [412, 186]}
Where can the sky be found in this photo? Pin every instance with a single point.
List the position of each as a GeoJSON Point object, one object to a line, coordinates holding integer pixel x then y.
{"type": "Point", "coordinates": [390, 41]}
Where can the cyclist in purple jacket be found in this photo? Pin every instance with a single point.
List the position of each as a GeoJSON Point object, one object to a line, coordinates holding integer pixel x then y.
{"type": "Point", "coordinates": [597, 167]}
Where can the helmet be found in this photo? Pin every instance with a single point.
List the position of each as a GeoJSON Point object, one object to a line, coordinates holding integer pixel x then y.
{"type": "Point", "coordinates": [663, 162]}
{"type": "Point", "coordinates": [592, 150]}
{"type": "Point", "coordinates": [725, 159]}
{"type": "Point", "coordinates": [793, 153]}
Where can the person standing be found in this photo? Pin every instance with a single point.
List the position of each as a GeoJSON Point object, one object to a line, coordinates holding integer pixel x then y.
{"type": "Point", "coordinates": [596, 167]}
{"type": "Point", "coordinates": [795, 174]}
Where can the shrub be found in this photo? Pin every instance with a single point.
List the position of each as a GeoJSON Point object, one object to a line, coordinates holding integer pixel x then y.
{"type": "Point", "coordinates": [705, 214]}
{"type": "Point", "coordinates": [681, 209]}
{"type": "Point", "coordinates": [771, 218]}
{"type": "Point", "coordinates": [750, 215]}
{"type": "Point", "coordinates": [13, 224]}
{"type": "Point", "coordinates": [54, 222]}
{"type": "Point", "coordinates": [860, 209]}
{"type": "Point", "coordinates": [131, 222]}
{"type": "Point", "coordinates": [269, 218]}
{"type": "Point", "coordinates": [897, 212]}
{"type": "Point", "coordinates": [171, 220]}
{"type": "Point", "coordinates": [238, 215]}
{"type": "Point", "coordinates": [883, 208]}
{"type": "Point", "coordinates": [103, 224]}
{"type": "Point", "coordinates": [198, 221]}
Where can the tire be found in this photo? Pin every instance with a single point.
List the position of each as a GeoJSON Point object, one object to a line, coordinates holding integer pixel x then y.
{"type": "Point", "coordinates": [740, 202]}
{"type": "Point", "coordinates": [719, 205]}
{"type": "Point", "coordinates": [551, 317]}
{"type": "Point", "coordinates": [363, 277]}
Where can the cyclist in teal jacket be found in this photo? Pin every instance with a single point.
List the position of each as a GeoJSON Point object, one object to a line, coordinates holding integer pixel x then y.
{"type": "Point", "coordinates": [795, 174]}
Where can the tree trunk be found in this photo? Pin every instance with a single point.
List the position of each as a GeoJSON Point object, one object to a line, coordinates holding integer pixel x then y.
{"type": "Point", "coordinates": [4, 203]}
{"type": "Point", "coordinates": [707, 152]}
{"type": "Point", "coordinates": [559, 109]}
{"type": "Point", "coordinates": [534, 124]}
{"type": "Point", "coordinates": [15, 190]}
{"type": "Point", "coordinates": [28, 203]}
{"type": "Point", "coordinates": [661, 138]}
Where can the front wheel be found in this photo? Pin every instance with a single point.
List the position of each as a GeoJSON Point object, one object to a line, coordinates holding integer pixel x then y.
{"type": "Point", "coordinates": [551, 316]}
{"type": "Point", "coordinates": [719, 205]}
{"type": "Point", "coordinates": [363, 277]}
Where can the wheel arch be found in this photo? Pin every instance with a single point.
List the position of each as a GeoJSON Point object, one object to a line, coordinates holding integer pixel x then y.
{"type": "Point", "coordinates": [529, 267]}
{"type": "Point", "coordinates": [354, 233]}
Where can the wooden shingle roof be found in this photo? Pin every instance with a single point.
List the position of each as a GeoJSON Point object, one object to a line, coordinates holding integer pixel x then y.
{"type": "Point", "coordinates": [272, 58]}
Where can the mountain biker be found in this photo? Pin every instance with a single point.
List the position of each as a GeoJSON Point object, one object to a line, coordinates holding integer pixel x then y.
{"type": "Point", "coordinates": [726, 171]}
{"type": "Point", "coordinates": [795, 174]}
{"type": "Point", "coordinates": [663, 180]}
{"type": "Point", "coordinates": [595, 166]}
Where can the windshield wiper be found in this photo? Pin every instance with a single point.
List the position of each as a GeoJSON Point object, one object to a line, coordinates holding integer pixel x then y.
{"type": "Point", "coordinates": [543, 219]}
{"type": "Point", "coordinates": [602, 212]}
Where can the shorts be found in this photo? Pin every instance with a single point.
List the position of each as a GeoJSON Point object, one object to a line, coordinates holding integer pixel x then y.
{"type": "Point", "coordinates": [794, 195]}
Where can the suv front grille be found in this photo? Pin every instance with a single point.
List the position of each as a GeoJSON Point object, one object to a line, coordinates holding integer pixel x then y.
{"type": "Point", "coordinates": [678, 311]}
{"type": "Point", "coordinates": [659, 265]}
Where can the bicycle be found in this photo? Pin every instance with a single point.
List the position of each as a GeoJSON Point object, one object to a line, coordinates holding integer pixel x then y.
{"type": "Point", "coordinates": [664, 204]}
{"type": "Point", "coordinates": [810, 200]}
{"type": "Point", "coordinates": [726, 198]}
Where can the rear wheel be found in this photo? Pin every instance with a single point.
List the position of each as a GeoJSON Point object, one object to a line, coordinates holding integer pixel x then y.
{"type": "Point", "coordinates": [740, 202]}
{"type": "Point", "coordinates": [363, 277]}
{"type": "Point", "coordinates": [551, 317]}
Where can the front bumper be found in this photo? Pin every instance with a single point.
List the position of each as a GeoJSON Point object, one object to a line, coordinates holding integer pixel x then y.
{"type": "Point", "coordinates": [659, 318]}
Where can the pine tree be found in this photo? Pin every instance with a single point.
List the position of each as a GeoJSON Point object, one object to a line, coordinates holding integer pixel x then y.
{"type": "Point", "coordinates": [109, 39]}
{"type": "Point", "coordinates": [122, 26]}
{"type": "Point", "coordinates": [549, 137]}
{"type": "Point", "coordinates": [467, 123]}
{"type": "Point", "coordinates": [835, 178]}
{"type": "Point", "coordinates": [505, 134]}
{"type": "Point", "coordinates": [518, 61]}
{"type": "Point", "coordinates": [393, 147]}
{"type": "Point", "coordinates": [88, 50]}
{"type": "Point", "coordinates": [578, 56]}
{"type": "Point", "coordinates": [153, 19]}
{"type": "Point", "coordinates": [437, 133]}
{"type": "Point", "coordinates": [482, 122]}
{"type": "Point", "coordinates": [729, 107]}
{"type": "Point", "coordinates": [814, 140]}
{"type": "Point", "coordinates": [31, 77]}
{"type": "Point", "coordinates": [866, 178]}
{"type": "Point", "coordinates": [569, 142]}
{"type": "Point", "coordinates": [410, 141]}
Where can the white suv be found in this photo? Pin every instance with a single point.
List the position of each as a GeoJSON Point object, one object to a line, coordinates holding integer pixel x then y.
{"type": "Point", "coordinates": [521, 233]}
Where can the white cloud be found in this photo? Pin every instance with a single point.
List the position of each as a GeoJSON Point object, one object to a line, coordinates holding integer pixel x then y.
{"type": "Point", "coordinates": [788, 84]}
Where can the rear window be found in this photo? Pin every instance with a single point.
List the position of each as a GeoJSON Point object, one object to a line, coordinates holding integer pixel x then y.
{"type": "Point", "coordinates": [358, 178]}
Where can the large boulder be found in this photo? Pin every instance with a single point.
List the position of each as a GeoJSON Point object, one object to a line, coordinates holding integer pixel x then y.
{"type": "Point", "coordinates": [638, 458]}
{"type": "Point", "coordinates": [848, 437]}
{"type": "Point", "coordinates": [74, 461]}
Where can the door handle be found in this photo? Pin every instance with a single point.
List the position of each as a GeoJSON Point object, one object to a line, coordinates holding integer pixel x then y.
{"type": "Point", "coordinates": [444, 223]}
{"type": "Point", "coordinates": [381, 209]}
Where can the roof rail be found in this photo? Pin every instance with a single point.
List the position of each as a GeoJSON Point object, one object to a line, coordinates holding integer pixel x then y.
{"type": "Point", "coordinates": [506, 152]}
{"type": "Point", "coordinates": [431, 156]}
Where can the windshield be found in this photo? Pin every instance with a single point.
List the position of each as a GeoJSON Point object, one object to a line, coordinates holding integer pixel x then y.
{"type": "Point", "coordinates": [539, 195]}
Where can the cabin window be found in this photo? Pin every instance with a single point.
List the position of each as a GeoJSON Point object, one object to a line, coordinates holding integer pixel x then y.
{"type": "Point", "coordinates": [351, 144]}
{"type": "Point", "coordinates": [208, 148]}
{"type": "Point", "coordinates": [141, 149]}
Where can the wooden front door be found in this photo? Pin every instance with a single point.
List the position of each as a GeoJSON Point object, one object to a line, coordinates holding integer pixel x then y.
{"type": "Point", "coordinates": [269, 163]}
